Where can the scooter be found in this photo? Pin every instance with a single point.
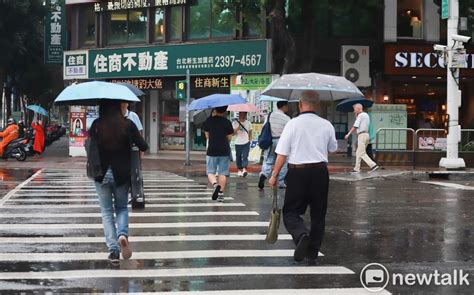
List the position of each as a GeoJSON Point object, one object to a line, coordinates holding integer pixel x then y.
{"type": "Point", "coordinates": [15, 149]}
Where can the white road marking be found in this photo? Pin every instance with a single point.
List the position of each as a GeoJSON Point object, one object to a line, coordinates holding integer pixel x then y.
{"type": "Point", "coordinates": [193, 193]}
{"type": "Point", "coordinates": [176, 272]}
{"type": "Point", "coordinates": [131, 214]}
{"type": "Point", "coordinates": [41, 226]}
{"type": "Point", "coordinates": [450, 185]}
{"type": "Point", "coordinates": [321, 291]}
{"type": "Point", "coordinates": [74, 256]}
{"type": "Point", "coordinates": [70, 206]}
{"type": "Point", "coordinates": [95, 200]}
{"type": "Point", "coordinates": [19, 187]}
{"type": "Point", "coordinates": [137, 239]}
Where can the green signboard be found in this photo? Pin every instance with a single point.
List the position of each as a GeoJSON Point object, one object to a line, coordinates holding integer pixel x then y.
{"type": "Point", "coordinates": [54, 31]}
{"type": "Point", "coordinates": [445, 9]}
{"type": "Point", "coordinates": [75, 64]}
{"type": "Point", "coordinates": [173, 60]}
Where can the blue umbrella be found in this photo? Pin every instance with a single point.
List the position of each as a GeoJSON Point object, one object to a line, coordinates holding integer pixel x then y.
{"type": "Point", "coordinates": [137, 91]}
{"type": "Point", "coordinates": [38, 109]}
{"type": "Point", "coordinates": [346, 105]}
{"type": "Point", "coordinates": [90, 93]}
{"type": "Point", "coordinates": [215, 100]}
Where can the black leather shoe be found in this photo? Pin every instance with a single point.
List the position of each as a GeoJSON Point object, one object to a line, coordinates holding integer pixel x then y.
{"type": "Point", "coordinates": [302, 248]}
{"type": "Point", "coordinates": [312, 257]}
{"type": "Point", "coordinates": [261, 181]}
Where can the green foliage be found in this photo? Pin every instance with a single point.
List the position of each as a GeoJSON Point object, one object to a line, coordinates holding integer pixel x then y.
{"type": "Point", "coordinates": [250, 10]}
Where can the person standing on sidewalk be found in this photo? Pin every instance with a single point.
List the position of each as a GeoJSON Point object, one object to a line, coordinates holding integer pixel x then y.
{"type": "Point", "coordinates": [131, 116]}
{"type": "Point", "coordinates": [305, 143]}
{"type": "Point", "coordinates": [278, 120]}
{"type": "Point", "coordinates": [243, 132]}
{"type": "Point", "coordinates": [115, 135]}
{"type": "Point", "coordinates": [361, 124]}
{"type": "Point", "coordinates": [218, 130]}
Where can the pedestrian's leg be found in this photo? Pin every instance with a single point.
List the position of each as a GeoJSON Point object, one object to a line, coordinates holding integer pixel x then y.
{"type": "Point", "coordinates": [104, 192]}
{"type": "Point", "coordinates": [245, 155]}
{"type": "Point", "coordinates": [282, 175]}
{"type": "Point", "coordinates": [359, 152]}
{"type": "Point", "coordinates": [223, 169]}
{"type": "Point", "coordinates": [121, 211]}
{"type": "Point", "coordinates": [238, 156]}
{"type": "Point", "coordinates": [295, 204]}
{"type": "Point", "coordinates": [318, 208]}
{"type": "Point", "coordinates": [268, 163]}
{"type": "Point", "coordinates": [365, 139]}
{"type": "Point", "coordinates": [211, 169]}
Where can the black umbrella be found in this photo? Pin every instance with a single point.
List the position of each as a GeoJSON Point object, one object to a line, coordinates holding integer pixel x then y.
{"type": "Point", "coordinates": [346, 105]}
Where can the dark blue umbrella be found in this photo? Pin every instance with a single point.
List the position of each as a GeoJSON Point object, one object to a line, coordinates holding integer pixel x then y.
{"type": "Point", "coordinates": [215, 101]}
{"type": "Point", "coordinates": [347, 104]}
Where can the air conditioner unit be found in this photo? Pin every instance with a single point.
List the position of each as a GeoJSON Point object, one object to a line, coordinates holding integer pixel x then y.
{"type": "Point", "coordinates": [355, 64]}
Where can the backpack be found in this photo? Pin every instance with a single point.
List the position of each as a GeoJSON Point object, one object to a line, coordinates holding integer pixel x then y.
{"type": "Point", "coordinates": [265, 139]}
{"type": "Point", "coordinates": [94, 168]}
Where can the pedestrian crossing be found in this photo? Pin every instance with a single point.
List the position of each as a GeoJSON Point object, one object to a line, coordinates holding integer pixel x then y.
{"type": "Point", "coordinates": [51, 239]}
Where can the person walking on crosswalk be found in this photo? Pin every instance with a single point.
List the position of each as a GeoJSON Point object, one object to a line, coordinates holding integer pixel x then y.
{"type": "Point", "coordinates": [115, 135]}
{"type": "Point", "coordinates": [362, 124]}
{"type": "Point", "coordinates": [305, 142]}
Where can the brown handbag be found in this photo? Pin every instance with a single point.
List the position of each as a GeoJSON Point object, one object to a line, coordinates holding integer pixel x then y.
{"type": "Point", "coordinates": [274, 225]}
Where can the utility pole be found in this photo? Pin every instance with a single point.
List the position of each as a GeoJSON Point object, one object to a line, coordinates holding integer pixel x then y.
{"type": "Point", "coordinates": [452, 161]}
{"type": "Point", "coordinates": [188, 121]}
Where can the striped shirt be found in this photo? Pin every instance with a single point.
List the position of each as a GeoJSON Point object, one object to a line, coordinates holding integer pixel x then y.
{"type": "Point", "coordinates": [278, 120]}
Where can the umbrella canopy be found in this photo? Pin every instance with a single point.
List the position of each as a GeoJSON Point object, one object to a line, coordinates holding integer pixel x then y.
{"type": "Point", "coordinates": [215, 100]}
{"type": "Point", "coordinates": [201, 116]}
{"type": "Point", "coordinates": [137, 91]}
{"type": "Point", "coordinates": [90, 93]}
{"type": "Point", "coordinates": [328, 87]}
{"type": "Point", "coordinates": [38, 109]}
{"type": "Point", "coordinates": [246, 107]}
{"type": "Point", "coordinates": [346, 105]}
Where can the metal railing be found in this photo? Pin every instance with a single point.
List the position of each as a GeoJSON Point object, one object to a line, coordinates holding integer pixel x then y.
{"type": "Point", "coordinates": [467, 141]}
{"type": "Point", "coordinates": [394, 139]}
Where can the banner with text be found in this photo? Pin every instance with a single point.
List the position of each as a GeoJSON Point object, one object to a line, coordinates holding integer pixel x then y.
{"type": "Point", "coordinates": [54, 32]}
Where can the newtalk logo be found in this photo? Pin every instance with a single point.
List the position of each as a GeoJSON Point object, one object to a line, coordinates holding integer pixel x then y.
{"type": "Point", "coordinates": [375, 277]}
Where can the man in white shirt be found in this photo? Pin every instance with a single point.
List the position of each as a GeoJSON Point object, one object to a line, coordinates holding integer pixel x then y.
{"type": "Point", "coordinates": [243, 132]}
{"type": "Point", "coordinates": [278, 120]}
{"type": "Point", "coordinates": [362, 124]}
{"type": "Point", "coordinates": [132, 116]}
{"type": "Point", "coordinates": [305, 143]}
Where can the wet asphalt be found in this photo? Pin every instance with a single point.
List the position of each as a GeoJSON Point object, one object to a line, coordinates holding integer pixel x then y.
{"type": "Point", "coordinates": [402, 222]}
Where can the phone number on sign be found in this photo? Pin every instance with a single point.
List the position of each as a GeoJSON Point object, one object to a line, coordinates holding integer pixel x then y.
{"type": "Point", "coordinates": [249, 60]}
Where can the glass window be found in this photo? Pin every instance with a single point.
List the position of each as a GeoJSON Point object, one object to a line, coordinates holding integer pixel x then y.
{"type": "Point", "coordinates": [127, 26]}
{"type": "Point", "coordinates": [409, 18]}
{"type": "Point", "coordinates": [159, 24]}
{"type": "Point", "coordinates": [176, 23]}
{"type": "Point", "coordinates": [200, 20]}
{"type": "Point", "coordinates": [223, 24]}
{"type": "Point", "coordinates": [87, 26]}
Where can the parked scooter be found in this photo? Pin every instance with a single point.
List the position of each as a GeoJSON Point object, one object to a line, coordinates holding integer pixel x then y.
{"type": "Point", "coordinates": [15, 149]}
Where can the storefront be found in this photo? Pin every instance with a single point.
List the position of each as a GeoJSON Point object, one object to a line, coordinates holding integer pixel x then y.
{"type": "Point", "coordinates": [416, 77]}
{"type": "Point", "coordinates": [157, 69]}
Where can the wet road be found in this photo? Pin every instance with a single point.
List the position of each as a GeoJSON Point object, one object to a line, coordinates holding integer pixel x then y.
{"type": "Point", "coordinates": [51, 237]}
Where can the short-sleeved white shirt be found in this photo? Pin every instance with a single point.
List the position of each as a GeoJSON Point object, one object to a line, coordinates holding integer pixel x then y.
{"type": "Point", "coordinates": [362, 123]}
{"type": "Point", "coordinates": [278, 120]}
{"type": "Point", "coordinates": [242, 137]}
{"type": "Point", "coordinates": [135, 119]}
{"type": "Point", "coordinates": [306, 139]}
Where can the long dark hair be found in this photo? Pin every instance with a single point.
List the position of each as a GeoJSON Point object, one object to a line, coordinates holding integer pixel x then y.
{"type": "Point", "coordinates": [112, 127]}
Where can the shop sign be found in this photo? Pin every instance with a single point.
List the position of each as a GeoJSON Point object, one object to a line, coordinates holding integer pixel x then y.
{"type": "Point", "coordinates": [173, 60]}
{"type": "Point", "coordinates": [75, 65]}
{"type": "Point", "coordinates": [432, 143]}
{"type": "Point", "coordinates": [144, 84]}
{"type": "Point", "coordinates": [54, 31]}
{"type": "Point", "coordinates": [445, 9]}
{"type": "Point", "coordinates": [419, 60]}
{"type": "Point", "coordinates": [134, 4]}
{"type": "Point", "coordinates": [211, 82]}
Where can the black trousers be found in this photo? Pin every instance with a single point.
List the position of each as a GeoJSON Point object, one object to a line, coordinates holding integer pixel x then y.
{"type": "Point", "coordinates": [306, 187]}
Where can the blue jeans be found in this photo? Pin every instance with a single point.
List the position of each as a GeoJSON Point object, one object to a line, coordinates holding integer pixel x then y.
{"type": "Point", "coordinates": [269, 158]}
{"type": "Point", "coordinates": [113, 198]}
{"type": "Point", "coordinates": [217, 165]}
{"type": "Point", "coordinates": [242, 155]}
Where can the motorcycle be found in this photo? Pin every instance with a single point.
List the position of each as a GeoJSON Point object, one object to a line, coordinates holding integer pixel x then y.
{"type": "Point", "coordinates": [15, 149]}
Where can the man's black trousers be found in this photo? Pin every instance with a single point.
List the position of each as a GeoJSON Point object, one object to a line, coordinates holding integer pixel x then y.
{"type": "Point", "coordinates": [306, 187]}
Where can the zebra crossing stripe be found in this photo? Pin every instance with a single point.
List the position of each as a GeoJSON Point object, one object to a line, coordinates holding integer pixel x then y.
{"type": "Point", "coordinates": [138, 239]}
{"type": "Point", "coordinates": [19, 187]}
{"type": "Point", "coordinates": [320, 291]}
{"type": "Point", "coordinates": [131, 214]}
{"type": "Point", "coordinates": [195, 193]}
{"type": "Point", "coordinates": [71, 206]}
{"type": "Point", "coordinates": [95, 200]}
{"type": "Point", "coordinates": [42, 226]}
{"type": "Point", "coordinates": [177, 272]}
{"type": "Point", "coordinates": [162, 255]}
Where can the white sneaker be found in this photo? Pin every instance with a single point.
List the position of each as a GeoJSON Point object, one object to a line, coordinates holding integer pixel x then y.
{"type": "Point", "coordinates": [239, 174]}
{"type": "Point", "coordinates": [354, 172]}
{"type": "Point", "coordinates": [220, 198]}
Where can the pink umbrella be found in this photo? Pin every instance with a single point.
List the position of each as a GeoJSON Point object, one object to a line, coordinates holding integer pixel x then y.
{"type": "Point", "coordinates": [245, 107]}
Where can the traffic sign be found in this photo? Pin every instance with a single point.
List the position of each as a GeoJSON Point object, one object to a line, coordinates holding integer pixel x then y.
{"type": "Point", "coordinates": [445, 9]}
{"type": "Point", "coordinates": [181, 90]}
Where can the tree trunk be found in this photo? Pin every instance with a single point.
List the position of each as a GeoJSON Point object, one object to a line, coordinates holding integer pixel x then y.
{"type": "Point", "coordinates": [283, 44]}
{"type": "Point", "coordinates": [306, 62]}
